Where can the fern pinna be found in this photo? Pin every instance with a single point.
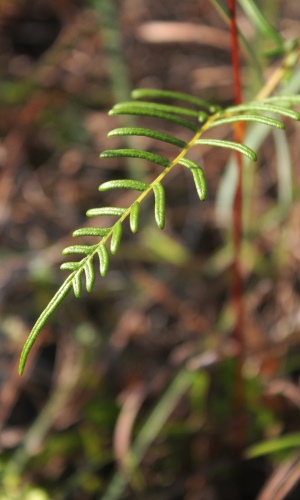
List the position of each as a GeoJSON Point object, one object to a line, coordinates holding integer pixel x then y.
{"type": "Point", "coordinates": [199, 117]}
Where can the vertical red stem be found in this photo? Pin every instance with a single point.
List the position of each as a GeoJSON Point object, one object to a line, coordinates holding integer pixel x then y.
{"type": "Point", "coordinates": [237, 228]}
{"type": "Point", "coordinates": [237, 288]}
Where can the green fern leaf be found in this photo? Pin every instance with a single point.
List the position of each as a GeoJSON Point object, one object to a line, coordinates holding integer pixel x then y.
{"type": "Point", "coordinates": [262, 106]}
{"type": "Point", "coordinates": [124, 183]}
{"type": "Point", "coordinates": [180, 96]}
{"type": "Point", "coordinates": [89, 275]}
{"type": "Point", "coordinates": [142, 111]}
{"type": "Point", "coordinates": [81, 249]}
{"type": "Point", "coordinates": [288, 100]}
{"type": "Point", "coordinates": [160, 204]}
{"type": "Point", "coordinates": [198, 176]}
{"type": "Point", "coordinates": [266, 120]}
{"type": "Point", "coordinates": [77, 285]}
{"type": "Point", "coordinates": [116, 211]}
{"type": "Point", "coordinates": [134, 217]}
{"type": "Point", "coordinates": [165, 108]}
{"type": "Point", "coordinates": [103, 259]}
{"type": "Point", "coordinates": [91, 231]}
{"type": "Point", "coordinates": [116, 238]}
{"type": "Point", "coordinates": [146, 132]}
{"type": "Point", "coordinates": [235, 146]}
{"type": "Point", "coordinates": [136, 153]}
{"type": "Point", "coordinates": [70, 266]}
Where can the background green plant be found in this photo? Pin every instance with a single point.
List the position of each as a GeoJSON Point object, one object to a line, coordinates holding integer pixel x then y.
{"type": "Point", "coordinates": [170, 354]}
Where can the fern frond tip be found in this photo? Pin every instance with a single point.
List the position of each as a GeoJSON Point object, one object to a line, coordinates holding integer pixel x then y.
{"type": "Point", "coordinates": [61, 293]}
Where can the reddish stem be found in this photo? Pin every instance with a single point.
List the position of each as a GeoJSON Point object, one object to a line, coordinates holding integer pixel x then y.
{"type": "Point", "coordinates": [237, 228]}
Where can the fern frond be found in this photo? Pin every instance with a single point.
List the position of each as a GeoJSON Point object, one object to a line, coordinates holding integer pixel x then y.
{"type": "Point", "coordinates": [204, 117]}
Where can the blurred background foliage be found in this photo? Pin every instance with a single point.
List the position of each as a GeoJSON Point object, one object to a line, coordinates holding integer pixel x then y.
{"type": "Point", "coordinates": [131, 392]}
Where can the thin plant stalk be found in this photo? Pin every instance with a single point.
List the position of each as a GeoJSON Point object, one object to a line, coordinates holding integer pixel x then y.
{"type": "Point", "coordinates": [237, 232]}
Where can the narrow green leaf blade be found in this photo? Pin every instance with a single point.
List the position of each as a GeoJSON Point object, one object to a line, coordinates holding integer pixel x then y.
{"type": "Point", "coordinates": [89, 274]}
{"type": "Point", "coordinates": [177, 110]}
{"type": "Point", "coordinates": [146, 132]}
{"type": "Point", "coordinates": [136, 153]}
{"type": "Point", "coordinates": [103, 259]}
{"type": "Point", "coordinates": [274, 445]}
{"type": "Point", "coordinates": [160, 204]}
{"type": "Point", "coordinates": [70, 266]}
{"type": "Point", "coordinates": [166, 94]}
{"type": "Point", "coordinates": [102, 211]}
{"type": "Point", "coordinates": [134, 217]}
{"type": "Point", "coordinates": [91, 231]}
{"type": "Point", "coordinates": [235, 146]}
{"type": "Point", "coordinates": [198, 176]}
{"type": "Point", "coordinates": [81, 249]}
{"type": "Point", "coordinates": [254, 13]}
{"type": "Point", "coordinates": [263, 106]}
{"type": "Point", "coordinates": [249, 51]}
{"type": "Point", "coordinates": [266, 120]}
{"type": "Point", "coordinates": [116, 238]}
{"type": "Point", "coordinates": [142, 111]}
{"type": "Point", "coordinates": [125, 184]}
{"type": "Point", "coordinates": [77, 285]}
{"type": "Point", "coordinates": [284, 99]}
